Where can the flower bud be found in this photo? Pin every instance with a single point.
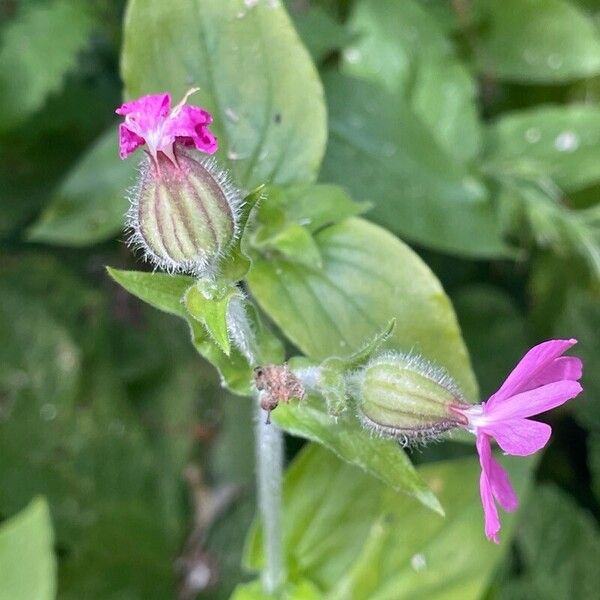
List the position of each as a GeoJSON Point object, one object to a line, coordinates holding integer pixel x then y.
{"type": "Point", "coordinates": [405, 397]}
{"type": "Point", "coordinates": [183, 212]}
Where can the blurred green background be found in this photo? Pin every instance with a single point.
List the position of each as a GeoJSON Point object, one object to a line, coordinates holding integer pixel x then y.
{"type": "Point", "coordinates": [472, 126]}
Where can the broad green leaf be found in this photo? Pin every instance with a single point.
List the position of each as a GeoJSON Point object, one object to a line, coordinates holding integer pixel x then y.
{"type": "Point", "coordinates": [315, 206]}
{"type": "Point", "coordinates": [381, 151]}
{"type": "Point", "coordinates": [38, 48]}
{"type": "Point", "coordinates": [27, 563]}
{"type": "Point", "coordinates": [559, 547]}
{"type": "Point", "coordinates": [400, 46]}
{"type": "Point", "coordinates": [495, 333]}
{"type": "Point", "coordinates": [296, 244]}
{"type": "Point", "coordinates": [368, 278]}
{"type": "Point", "coordinates": [275, 130]}
{"type": "Point", "coordinates": [543, 41]}
{"type": "Point", "coordinates": [356, 538]}
{"type": "Point", "coordinates": [344, 435]}
{"type": "Point", "coordinates": [90, 204]}
{"type": "Point", "coordinates": [557, 142]}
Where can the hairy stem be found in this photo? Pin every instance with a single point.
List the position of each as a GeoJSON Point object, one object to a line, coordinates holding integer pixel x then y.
{"type": "Point", "coordinates": [269, 456]}
{"type": "Point", "coordinates": [269, 460]}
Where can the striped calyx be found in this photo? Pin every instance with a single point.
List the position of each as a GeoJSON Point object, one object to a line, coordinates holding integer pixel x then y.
{"type": "Point", "coordinates": [405, 397]}
{"type": "Point", "coordinates": [184, 213]}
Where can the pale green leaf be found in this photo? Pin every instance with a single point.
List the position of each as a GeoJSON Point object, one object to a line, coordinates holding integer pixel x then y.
{"type": "Point", "coordinates": [210, 307]}
{"type": "Point", "coordinates": [27, 562]}
{"type": "Point", "coordinates": [344, 435]}
{"type": "Point", "coordinates": [368, 278]}
{"type": "Point", "coordinates": [253, 73]}
{"type": "Point", "coordinates": [356, 538]}
{"type": "Point", "coordinates": [161, 290]}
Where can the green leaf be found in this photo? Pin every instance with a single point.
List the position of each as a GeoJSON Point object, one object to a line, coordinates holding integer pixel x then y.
{"type": "Point", "coordinates": [400, 46]}
{"type": "Point", "coordinates": [345, 436]}
{"type": "Point", "coordinates": [368, 278]}
{"type": "Point", "coordinates": [296, 244]}
{"type": "Point", "coordinates": [555, 142]}
{"type": "Point", "coordinates": [90, 204]}
{"type": "Point", "coordinates": [210, 306]}
{"type": "Point", "coordinates": [383, 152]}
{"type": "Point", "coordinates": [27, 563]}
{"type": "Point", "coordinates": [166, 293]}
{"type": "Point", "coordinates": [276, 130]}
{"type": "Point", "coordinates": [354, 537]}
{"type": "Point", "coordinates": [161, 290]}
{"type": "Point", "coordinates": [549, 41]}
{"type": "Point", "coordinates": [38, 48]}
{"type": "Point", "coordinates": [315, 206]}
{"type": "Point", "coordinates": [559, 546]}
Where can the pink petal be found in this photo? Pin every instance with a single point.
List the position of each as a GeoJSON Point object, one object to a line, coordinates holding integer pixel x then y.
{"type": "Point", "coordinates": [532, 402]}
{"type": "Point", "coordinates": [128, 141]}
{"type": "Point", "coordinates": [533, 366]}
{"type": "Point", "coordinates": [154, 106]}
{"type": "Point", "coordinates": [501, 487]}
{"type": "Point", "coordinates": [564, 367]}
{"type": "Point", "coordinates": [490, 512]}
{"type": "Point", "coordinates": [190, 123]}
{"type": "Point", "coordinates": [520, 437]}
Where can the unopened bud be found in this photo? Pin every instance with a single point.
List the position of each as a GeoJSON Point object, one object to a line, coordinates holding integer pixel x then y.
{"type": "Point", "coordinates": [405, 397]}
{"type": "Point", "coordinates": [184, 212]}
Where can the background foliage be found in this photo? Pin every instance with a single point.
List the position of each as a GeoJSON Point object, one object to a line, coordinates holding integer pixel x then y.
{"type": "Point", "coordinates": [468, 128]}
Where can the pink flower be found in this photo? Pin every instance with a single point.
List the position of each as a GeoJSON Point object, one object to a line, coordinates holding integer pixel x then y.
{"type": "Point", "coordinates": [542, 380]}
{"type": "Point", "coordinates": [149, 120]}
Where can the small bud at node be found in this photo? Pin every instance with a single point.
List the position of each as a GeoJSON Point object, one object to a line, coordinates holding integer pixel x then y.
{"type": "Point", "coordinates": [276, 383]}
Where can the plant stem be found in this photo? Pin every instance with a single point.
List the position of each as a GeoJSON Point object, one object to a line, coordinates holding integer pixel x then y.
{"type": "Point", "coordinates": [269, 461]}
{"type": "Point", "coordinates": [269, 456]}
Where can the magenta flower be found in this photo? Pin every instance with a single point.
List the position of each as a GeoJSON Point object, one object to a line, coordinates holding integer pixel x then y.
{"type": "Point", "coordinates": [542, 380]}
{"type": "Point", "coordinates": [150, 120]}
